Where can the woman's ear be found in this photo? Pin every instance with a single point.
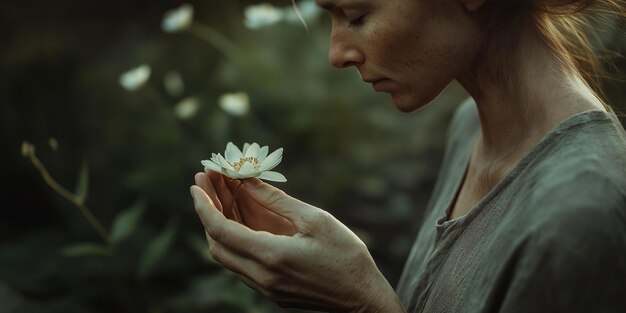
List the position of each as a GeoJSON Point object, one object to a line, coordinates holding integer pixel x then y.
{"type": "Point", "coordinates": [473, 5]}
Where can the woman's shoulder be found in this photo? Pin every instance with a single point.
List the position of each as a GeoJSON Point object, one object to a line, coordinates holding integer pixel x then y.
{"type": "Point", "coordinates": [585, 154]}
{"type": "Point", "coordinates": [580, 179]}
{"type": "Point", "coordinates": [574, 181]}
{"type": "Point", "coordinates": [577, 215]}
{"type": "Point", "coordinates": [580, 200]}
{"type": "Point", "coordinates": [580, 193]}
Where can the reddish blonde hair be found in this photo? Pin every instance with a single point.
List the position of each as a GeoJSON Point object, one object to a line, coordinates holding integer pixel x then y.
{"type": "Point", "coordinates": [565, 25]}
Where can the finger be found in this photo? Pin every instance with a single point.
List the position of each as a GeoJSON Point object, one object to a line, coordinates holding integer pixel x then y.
{"type": "Point", "coordinates": [274, 296]}
{"type": "Point", "coordinates": [233, 235]}
{"type": "Point", "coordinates": [258, 217]}
{"type": "Point", "coordinates": [252, 284]}
{"type": "Point", "coordinates": [202, 180]}
{"type": "Point", "coordinates": [287, 299]}
{"type": "Point", "coordinates": [279, 202]}
{"type": "Point", "coordinates": [223, 194]}
{"type": "Point", "coordinates": [232, 261]}
{"type": "Point", "coordinates": [251, 273]}
{"type": "Point", "coordinates": [205, 208]}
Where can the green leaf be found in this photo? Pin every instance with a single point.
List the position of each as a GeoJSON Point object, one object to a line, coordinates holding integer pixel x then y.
{"type": "Point", "coordinates": [157, 248]}
{"type": "Point", "coordinates": [86, 249]}
{"type": "Point", "coordinates": [126, 221]}
{"type": "Point", "coordinates": [82, 185]}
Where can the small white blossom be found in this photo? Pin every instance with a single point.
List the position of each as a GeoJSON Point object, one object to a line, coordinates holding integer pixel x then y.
{"type": "Point", "coordinates": [173, 83]}
{"type": "Point", "coordinates": [186, 108]}
{"type": "Point", "coordinates": [135, 78]}
{"type": "Point", "coordinates": [253, 161]}
{"type": "Point", "coordinates": [262, 15]}
{"type": "Point", "coordinates": [177, 19]}
{"type": "Point", "coordinates": [237, 104]}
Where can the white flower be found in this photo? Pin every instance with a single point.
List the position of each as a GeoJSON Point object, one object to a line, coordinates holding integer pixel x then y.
{"type": "Point", "coordinates": [261, 15]}
{"type": "Point", "coordinates": [135, 78]}
{"type": "Point", "coordinates": [186, 108]}
{"type": "Point", "coordinates": [236, 104]}
{"type": "Point", "coordinates": [253, 161]}
{"type": "Point", "coordinates": [177, 19]}
{"type": "Point", "coordinates": [173, 83]}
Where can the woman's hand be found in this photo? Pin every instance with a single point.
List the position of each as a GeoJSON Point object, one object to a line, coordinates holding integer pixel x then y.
{"type": "Point", "coordinates": [293, 253]}
{"type": "Point", "coordinates": [221, 189]}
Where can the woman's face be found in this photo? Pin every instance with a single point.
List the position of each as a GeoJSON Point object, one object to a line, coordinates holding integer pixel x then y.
{"type": "Point", "coordinates": [411, 49]}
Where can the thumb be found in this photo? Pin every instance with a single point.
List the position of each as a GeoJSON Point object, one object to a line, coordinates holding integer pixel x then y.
{"type": "Point", "coordinates": [279, 202]}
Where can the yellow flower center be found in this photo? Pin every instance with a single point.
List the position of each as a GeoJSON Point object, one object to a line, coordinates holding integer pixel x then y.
{"type": "Point", "coordinates": [242, 161]}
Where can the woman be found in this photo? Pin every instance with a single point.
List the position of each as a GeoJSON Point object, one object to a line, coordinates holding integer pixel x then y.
{"type": "Point", "coordinates": [529, 211]}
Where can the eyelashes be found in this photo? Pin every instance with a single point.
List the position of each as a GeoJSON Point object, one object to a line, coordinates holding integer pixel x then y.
{"type": "Point", "coordinates": [351, 17]}
{"type": "Point", "coordinates": [356, 22]}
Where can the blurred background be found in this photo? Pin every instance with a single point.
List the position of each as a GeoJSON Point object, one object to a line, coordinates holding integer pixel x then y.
{"type": "Point", "coordinates": [120, 101]}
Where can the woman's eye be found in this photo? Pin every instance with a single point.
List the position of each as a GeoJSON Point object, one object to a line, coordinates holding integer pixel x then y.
{"type": "Point", "coordinates": [357, 21]}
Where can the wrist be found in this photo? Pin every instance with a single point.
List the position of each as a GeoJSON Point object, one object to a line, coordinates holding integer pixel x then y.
{"type": "Point", "coordinates": [381, 298]}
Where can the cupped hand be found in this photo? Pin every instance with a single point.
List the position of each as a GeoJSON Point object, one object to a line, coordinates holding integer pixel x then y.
{"type": "Point", "coordinates": [293, 253]}
{"type": "Point", "coordinates": [245, 210]}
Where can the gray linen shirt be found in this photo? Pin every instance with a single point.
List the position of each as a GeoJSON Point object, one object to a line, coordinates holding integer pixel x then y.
{"type": "Point", "coordinates": [550, 237]}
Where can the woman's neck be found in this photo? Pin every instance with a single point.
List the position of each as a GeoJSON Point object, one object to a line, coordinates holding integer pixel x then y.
{"type": "Point", "coordinates": [543, 94]}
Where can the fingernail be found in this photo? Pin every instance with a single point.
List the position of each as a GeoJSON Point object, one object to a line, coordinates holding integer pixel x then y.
{"type": "Point", "coordinates": [255, 183]}
{"type": "Point", "coordinates": [194, 196]}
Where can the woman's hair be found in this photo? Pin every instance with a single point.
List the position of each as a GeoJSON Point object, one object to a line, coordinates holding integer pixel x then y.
{"type": "Point", "coordinates": [567, 27]}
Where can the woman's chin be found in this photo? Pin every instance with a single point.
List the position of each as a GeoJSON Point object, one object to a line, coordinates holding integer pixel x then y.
{"type": "Point", "coordinates": [406, 104]}
{"type": "Point", "coordinates": [409, 102]}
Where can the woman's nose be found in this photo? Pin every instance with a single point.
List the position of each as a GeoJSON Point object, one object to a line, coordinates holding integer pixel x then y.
{"type": "Point", "coordinates": [342, 54]}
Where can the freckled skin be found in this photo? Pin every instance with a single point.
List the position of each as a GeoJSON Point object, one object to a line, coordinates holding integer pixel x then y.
{"type": "Point", "coordinates": [421, 46]}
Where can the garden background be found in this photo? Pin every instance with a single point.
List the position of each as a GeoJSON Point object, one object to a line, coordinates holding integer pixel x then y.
{"type": "Point", "coordinates": [129, 156]}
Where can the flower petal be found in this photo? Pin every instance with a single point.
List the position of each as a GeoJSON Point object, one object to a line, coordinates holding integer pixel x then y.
{"type": "Point", "coordinates": [232, 153]}
{"type": "Point", "coordinates": [271, 159]}
{"type": "Point", "coordinates": [263, 153]}
{"type": "Point", "coordinates": [267, 166]}
{"type": "Point", "coordinates": [273, 176]}
{"type": "Point", "coordinates": [272, 166]}
{"type": "Point", "coordinates": [245, 148]}
{"type": "Point", "coordinates": [253, 150]}
{"type": "Point", "coordinates": [224, 163]}
{"type": "Point", "coordinates": [246, 169]}
{"type": "Point", "coordinates": [231, 173]}
{"type": "Point", "coordinates": [212, 166]}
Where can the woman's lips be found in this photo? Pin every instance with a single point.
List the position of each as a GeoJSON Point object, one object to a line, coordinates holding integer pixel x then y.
{"type": "Point", "coordinates": [379, 85]}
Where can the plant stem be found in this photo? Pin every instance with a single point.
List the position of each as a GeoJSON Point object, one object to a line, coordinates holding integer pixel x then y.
{"type": "Point", "coordinates": [295, 8]}
{"type": "Point", "coordinates": [75, 199]}
{"type": "Point", "coordinates": [232, 205]}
